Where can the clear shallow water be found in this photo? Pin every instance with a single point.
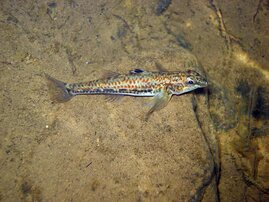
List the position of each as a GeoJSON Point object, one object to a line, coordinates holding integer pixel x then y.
{"type": "Point", "coordinates": [90, 149]}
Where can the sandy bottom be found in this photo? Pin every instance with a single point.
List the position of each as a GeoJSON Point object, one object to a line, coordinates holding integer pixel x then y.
{"type": "Point", "coordinates": [209, 145]}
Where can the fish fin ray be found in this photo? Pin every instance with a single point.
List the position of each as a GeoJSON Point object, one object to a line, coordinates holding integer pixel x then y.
{"type": "Point", "coordinates": [58, 90]}
{"type": "Point", "coordinates": [109, 74]}
{"type": "Point", "coordinates": [160, 100]}
{"type": "Point", "coordinates": [113, 98]}
{"type": "Point", "coordinates": [160, 67]}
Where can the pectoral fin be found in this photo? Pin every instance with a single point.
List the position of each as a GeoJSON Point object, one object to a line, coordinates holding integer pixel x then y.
{"type": "Point", "coordinates": [160, 100]}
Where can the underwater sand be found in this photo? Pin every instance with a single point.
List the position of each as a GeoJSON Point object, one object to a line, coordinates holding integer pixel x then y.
{"type": "Point", "coordinates": [210, 145]}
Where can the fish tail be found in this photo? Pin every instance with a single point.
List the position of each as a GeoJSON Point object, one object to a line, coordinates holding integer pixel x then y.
{"type": "Point", "coordinates": [58, 90]}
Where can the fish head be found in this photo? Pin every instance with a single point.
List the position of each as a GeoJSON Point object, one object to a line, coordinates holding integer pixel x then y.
{"type": "Point", "coordinates": [194, 80]}
{"type": "Point", "coordinates": [191, 81]}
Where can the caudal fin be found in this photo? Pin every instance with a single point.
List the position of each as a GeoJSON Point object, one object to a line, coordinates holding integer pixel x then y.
{"type": "Point", "coordinates": [58, 90]}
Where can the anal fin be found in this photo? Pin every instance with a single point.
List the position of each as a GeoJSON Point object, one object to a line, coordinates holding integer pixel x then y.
{"type": "Point", "coordinates": [113, 98]}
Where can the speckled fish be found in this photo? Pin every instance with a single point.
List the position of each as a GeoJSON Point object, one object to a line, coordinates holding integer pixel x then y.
{"type": "Point", "coordinates": [159, 85]}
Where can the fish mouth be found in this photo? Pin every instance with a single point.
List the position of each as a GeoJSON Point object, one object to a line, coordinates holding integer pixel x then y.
{"type": "Point", "coordinates": [203, 83]}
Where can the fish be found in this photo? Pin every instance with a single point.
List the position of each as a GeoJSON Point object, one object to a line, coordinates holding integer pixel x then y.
{"type": "Point", "coordinates": [160, 85]}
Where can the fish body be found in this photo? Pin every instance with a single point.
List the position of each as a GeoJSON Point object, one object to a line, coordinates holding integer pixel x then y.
{"type": "Point", "coordinates": [140, 83]}
{"type": "Point", "coordinates": [160, 85]}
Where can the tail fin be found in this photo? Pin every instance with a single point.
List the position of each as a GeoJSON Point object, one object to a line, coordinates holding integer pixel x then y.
{"type": "Point", "coordinates": [58, 90]}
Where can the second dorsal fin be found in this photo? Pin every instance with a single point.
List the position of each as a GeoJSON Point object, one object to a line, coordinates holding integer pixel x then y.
{"type": "Point", "coordinates": [109, 74]}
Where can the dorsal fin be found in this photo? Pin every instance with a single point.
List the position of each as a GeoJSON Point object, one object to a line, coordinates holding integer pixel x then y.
{"type": "Point", "coordinates": [160, 67]}
{"type": "Point", "coordinates": [136, 71]}
{"type": "Point", "coordinates": [109, 74]}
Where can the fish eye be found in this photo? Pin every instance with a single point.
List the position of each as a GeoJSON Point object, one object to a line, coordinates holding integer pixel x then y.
{"type": "Point", "coordinates": [190, 82]}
